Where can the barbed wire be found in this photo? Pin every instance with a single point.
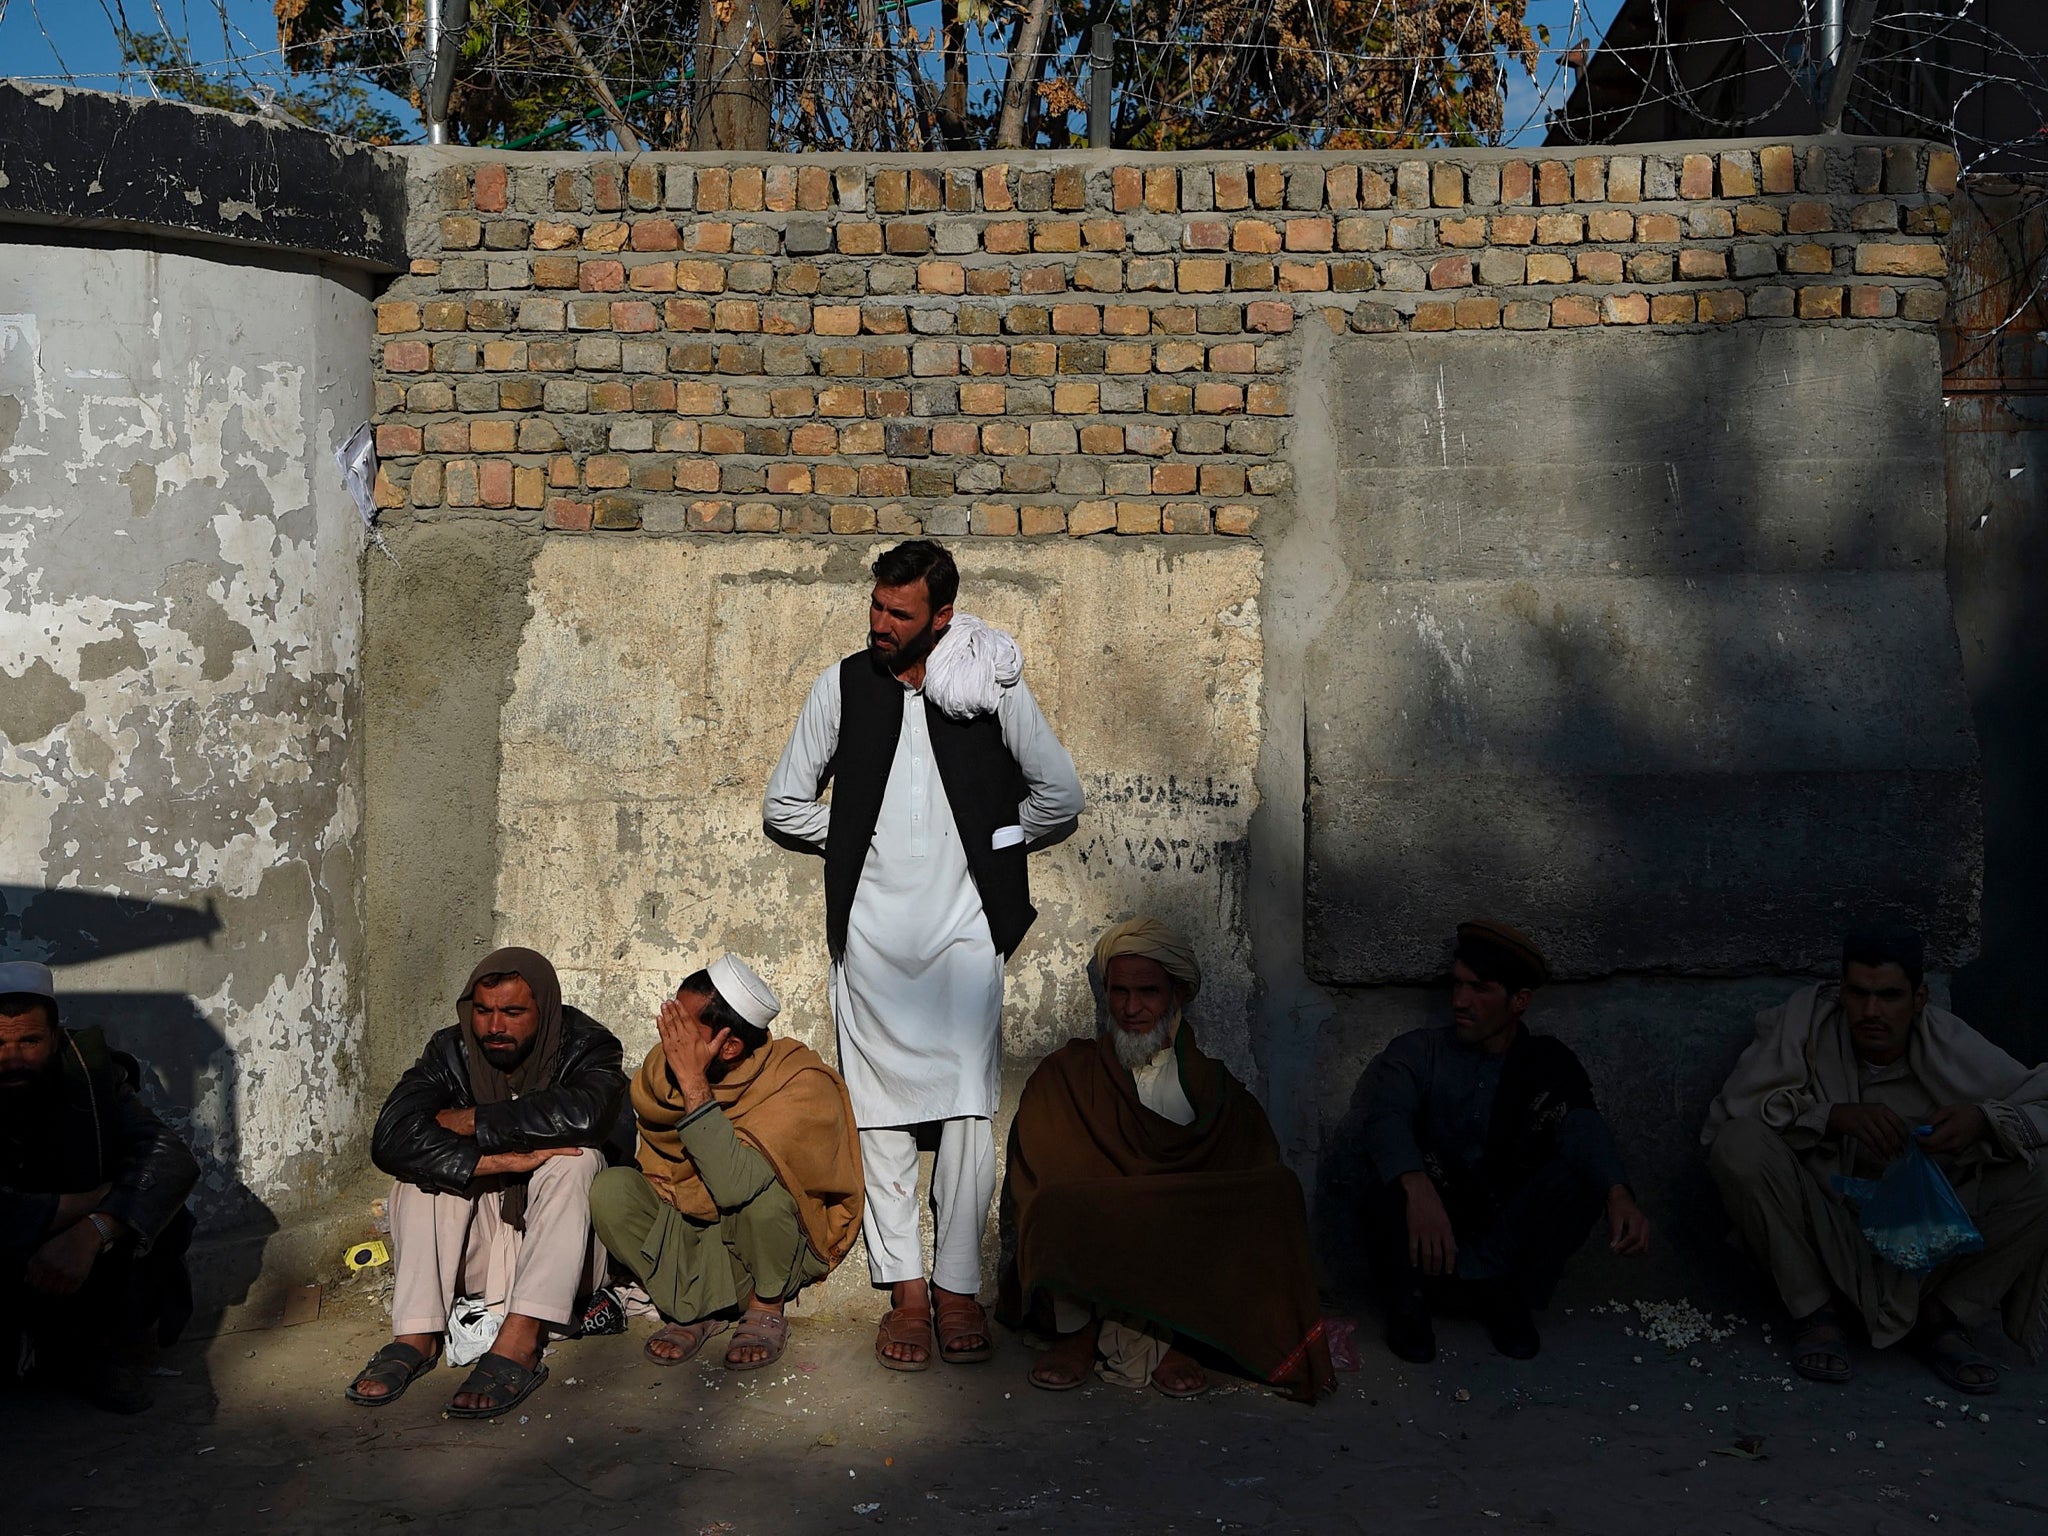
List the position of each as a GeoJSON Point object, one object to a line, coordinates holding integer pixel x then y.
{"type": "Point", "coordinates": [872, 78]}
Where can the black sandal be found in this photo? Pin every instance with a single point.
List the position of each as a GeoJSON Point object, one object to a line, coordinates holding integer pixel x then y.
{"type": "Point", "coordinates": [394, 1367]}
{"type": "Point", "coordinates": [1949, 1353]}
{"type": "Point", "coordinates": [493, 1377]}
{"type": "Point", "coordinates": [1821, 1337]}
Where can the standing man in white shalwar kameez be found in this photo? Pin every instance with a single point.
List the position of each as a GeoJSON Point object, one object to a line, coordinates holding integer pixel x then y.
{"type": "Point", "coordinates": [944, 774]}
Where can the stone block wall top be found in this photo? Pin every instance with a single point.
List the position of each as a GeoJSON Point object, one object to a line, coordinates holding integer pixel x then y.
{"type": "Point", "coordinates": [1047, 344]}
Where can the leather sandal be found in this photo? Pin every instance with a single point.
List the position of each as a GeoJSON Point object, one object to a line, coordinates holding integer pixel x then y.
{"type": "Point", "coordinates": [505, 1384]}
{"type": "Point", "coordinates": [1820, 1341]}
{"type": "Point", "coordinates": [961, 1317]}
{"type": "Point", "coordinates": [394, 1367]}
{"type": "Point", "coordinates": [692, 1336]}
{"type": "Point", "coordinates": [761, 1329]}
{"type": "Point", "coordinates": [905, 1325]}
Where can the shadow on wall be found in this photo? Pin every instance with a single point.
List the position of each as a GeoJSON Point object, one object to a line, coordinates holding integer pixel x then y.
{"type": "Point", "coordinates": [1651, 656]}
{"type": "Point", "coordinates": [186, 1061]}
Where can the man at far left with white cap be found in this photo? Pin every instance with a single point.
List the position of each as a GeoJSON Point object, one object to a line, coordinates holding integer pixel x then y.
{"type": "Point", "coordinates": [749, 1179]}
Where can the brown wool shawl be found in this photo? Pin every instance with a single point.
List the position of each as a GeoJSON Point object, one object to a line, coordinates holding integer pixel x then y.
{"type": "Point", "coordinates": [487, 1085]}
{"type": "Point", "coordinates": [785, 1103]}
{"type": "Point", "coordinates": [1200, 1227]}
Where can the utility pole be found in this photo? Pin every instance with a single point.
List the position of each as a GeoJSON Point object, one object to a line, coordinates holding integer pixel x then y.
{"type": "Point", "coordinates": [1850, 40]}
{"type": "Point", "coordinates": [1101, 78]}
{"type": "Point", "coordinates": [434, 66]}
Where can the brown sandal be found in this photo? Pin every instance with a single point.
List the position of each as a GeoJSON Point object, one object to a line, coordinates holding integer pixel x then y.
{"type": "Point", "coordinates": [760, 1328]}
{"type": "Point", "coordinates": [961, 1317]}
{"type": "Point", "coordinates": [692, 1336]}
{"type": "Point", "coordinates": [905, 1325]}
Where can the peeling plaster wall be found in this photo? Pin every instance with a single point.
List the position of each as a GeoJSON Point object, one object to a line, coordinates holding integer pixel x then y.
{"type": "Point", "coordinates": [181, 793]}
{"type": "Point", "coordinates": [658, 680]}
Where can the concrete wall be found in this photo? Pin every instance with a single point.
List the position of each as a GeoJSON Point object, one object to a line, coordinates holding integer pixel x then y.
{"type": "Point", "coordinates": [179, 687]}
{"type": "Point", "coordinates": [181, 774]}
{"type": "Point", "coordinates": [1390, 537]}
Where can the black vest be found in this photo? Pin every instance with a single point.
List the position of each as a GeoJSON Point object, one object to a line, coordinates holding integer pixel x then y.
{"type": "Point", "coordinates": [983, 784]}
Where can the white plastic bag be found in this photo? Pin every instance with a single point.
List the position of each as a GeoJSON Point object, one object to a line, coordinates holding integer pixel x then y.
{"type": "Point", "coordinates": [472, 1329]}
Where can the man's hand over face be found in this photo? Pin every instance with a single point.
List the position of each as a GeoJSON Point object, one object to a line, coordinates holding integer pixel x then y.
{"type": "Point", "coordinates": [1877, 1127]}
{"type": "Point", "coordinates": [1628, 1229]}
{"type": "Point", "coordinates": [690, 1049]}
{"type": "Point", "coordinates": [60, 1266]}
{"type": "Point", "coordinates": [1432, 1247]}
{"type": "Point", "coordinates": [1956, 1127]}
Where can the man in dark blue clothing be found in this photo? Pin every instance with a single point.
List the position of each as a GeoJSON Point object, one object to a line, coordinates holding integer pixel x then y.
{"type": "Point", "coordinates": [1490, 1161]}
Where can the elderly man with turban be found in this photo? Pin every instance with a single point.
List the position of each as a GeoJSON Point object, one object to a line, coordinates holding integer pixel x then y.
{"type": "Point", "coordinates": [749, 1184]}
{"type": "Point", "coordinates": [1150, 1200]}
{"type": "Point", "coordinates": [492, 1137]}
{"type": "Point", "coordinates": [1490, 1159]}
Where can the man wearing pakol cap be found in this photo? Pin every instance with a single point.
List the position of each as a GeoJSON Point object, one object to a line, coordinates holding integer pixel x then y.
{"type": "Point", "coordinates": [1489, 1158]}
{"type": "Point", "coordinates": [1151, 1204]}
{"type": "Point", "coordinates": [93, 1225]}
{"type": "Point", "coordinates": [493, 1138]}
{"type": "Point", "coordinates": [1839, 1081]}
{"type": "Point", "coordinates": [944, 775]}
{"type": "Point", "coordinates": [749, 1184]}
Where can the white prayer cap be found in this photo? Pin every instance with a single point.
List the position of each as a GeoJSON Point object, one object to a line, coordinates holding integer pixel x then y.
{"type": "Point", "coordinates": [744, 992]}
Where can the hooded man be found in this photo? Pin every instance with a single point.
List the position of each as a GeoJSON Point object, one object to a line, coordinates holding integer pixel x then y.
{"type": "Point", "coordinates": [944, 775]}
{"type": "Point", "coordinates": [1490, 1158]}
{"type": "Point", "coordinates": [1840, 1080]}
{"type": "Point", "coordinates": [93, 1225]}
{"type": "Point", "coordinates": [492, 1137]}
{"type": "Point", "coordinates": [749, 1184]}
{"type": "Point", "coordinates": [1151, 1203]}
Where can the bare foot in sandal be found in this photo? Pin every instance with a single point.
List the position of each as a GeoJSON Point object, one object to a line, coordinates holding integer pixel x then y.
{"type": "Point", "coordinates": [519, 1342]}
{"type": "Point", "coordinates": [1820, 1350]}
{"type": "Point", "coordinates": [1067, 1364]}
{"type": "Point", "coordinates": [760, 1338]}
{"type": "Point", "coordinates": [904, 1340]}
{"type": "Point", "coordinates": [1946, 1347]}
{"type": "Point", "coordinates": [673, 1343]}
{"type": "Point", "coordinates": [1178, 1376]}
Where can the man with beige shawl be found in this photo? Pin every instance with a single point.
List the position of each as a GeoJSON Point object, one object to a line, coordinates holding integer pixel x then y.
{"type": "Point", "coordinates": [749, 1184]}
{"type": "Point", "coordinates": [1151, 1204]}
{"type": "Point", "coordinates": [1840, 1080]}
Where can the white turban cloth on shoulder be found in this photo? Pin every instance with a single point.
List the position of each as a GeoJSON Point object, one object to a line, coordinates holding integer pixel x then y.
{"type": "Point", "coordinates": [970, 667]}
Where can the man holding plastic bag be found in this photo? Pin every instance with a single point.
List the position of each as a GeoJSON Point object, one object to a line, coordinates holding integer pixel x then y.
{"type": "Point", "coordinates": [1876, 1151]}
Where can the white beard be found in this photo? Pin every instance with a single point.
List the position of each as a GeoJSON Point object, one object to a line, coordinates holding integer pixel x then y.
{"type": "Point", "coordinates": [1135, 1050]}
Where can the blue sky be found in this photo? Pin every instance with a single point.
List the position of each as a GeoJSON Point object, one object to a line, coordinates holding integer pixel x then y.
{"type": "Point", "coordinates": [53, 39]}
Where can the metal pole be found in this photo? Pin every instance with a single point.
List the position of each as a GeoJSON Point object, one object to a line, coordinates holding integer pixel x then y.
{"type": "Point", "coordinates": [437, 129]}
{"type": "Point", "coordinates": [1861, 14]}
{"type": "Point", "coordinates": [1101, 76]}
{"type": "Point", "coordinates": [1830, 33]}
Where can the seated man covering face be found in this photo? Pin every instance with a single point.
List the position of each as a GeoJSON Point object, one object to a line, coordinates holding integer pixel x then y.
{"type": "Point", "coordinates": [749, 1184]}
{"type": "Point", "coordinates": [1491, 1159]}
{"type": "Point", "coordinates": [1838, 1081]}
{"type": "Point", "coordinates": [1150, 1200]}
{"type": "Point", "coordinates": [492, 1137]}
{"type": "Point", "coordinates": [93, 1226]}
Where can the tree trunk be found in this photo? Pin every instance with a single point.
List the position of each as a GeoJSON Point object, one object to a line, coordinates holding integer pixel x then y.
{"type": "Point", "coordinates": [731, 104]}
{"type": "Point", "coordinates": [622, 131]}
{"type": "Point", "coordinates": [953, 95]}
{"type": "Point", "coordinates": [1022, 74]}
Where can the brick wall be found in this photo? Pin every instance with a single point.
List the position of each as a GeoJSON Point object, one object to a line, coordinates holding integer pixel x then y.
{"type": "Point", "coordinates": [1054, 344]}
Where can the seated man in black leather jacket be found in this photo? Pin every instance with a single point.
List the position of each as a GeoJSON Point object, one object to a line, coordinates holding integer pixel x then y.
{"type": "Point", "coordinates": [93, 1225]}
{"type": "Point", "coordinates": [493, 1139]}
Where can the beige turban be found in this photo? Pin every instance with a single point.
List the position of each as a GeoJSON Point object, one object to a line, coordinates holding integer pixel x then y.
{"type": "Point", "coordinates": [1151, 939]}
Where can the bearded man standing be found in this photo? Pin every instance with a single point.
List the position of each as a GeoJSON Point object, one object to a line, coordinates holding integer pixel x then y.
{"type": "Point", "coordinates": [944, 775]}
{"type": "Point", "coordinates": [1151, 1202]}
{"type": "Point", "coordinates": [492, 1137]}
{"type": "Point", "coordinates": [93, 1225]}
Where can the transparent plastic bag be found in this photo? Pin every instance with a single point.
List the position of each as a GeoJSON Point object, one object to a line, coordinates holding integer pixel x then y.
{"type": "Point", "coordinates": [472, 1329]}
{"type": "Point", "coordinates": [1911, 1216]}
